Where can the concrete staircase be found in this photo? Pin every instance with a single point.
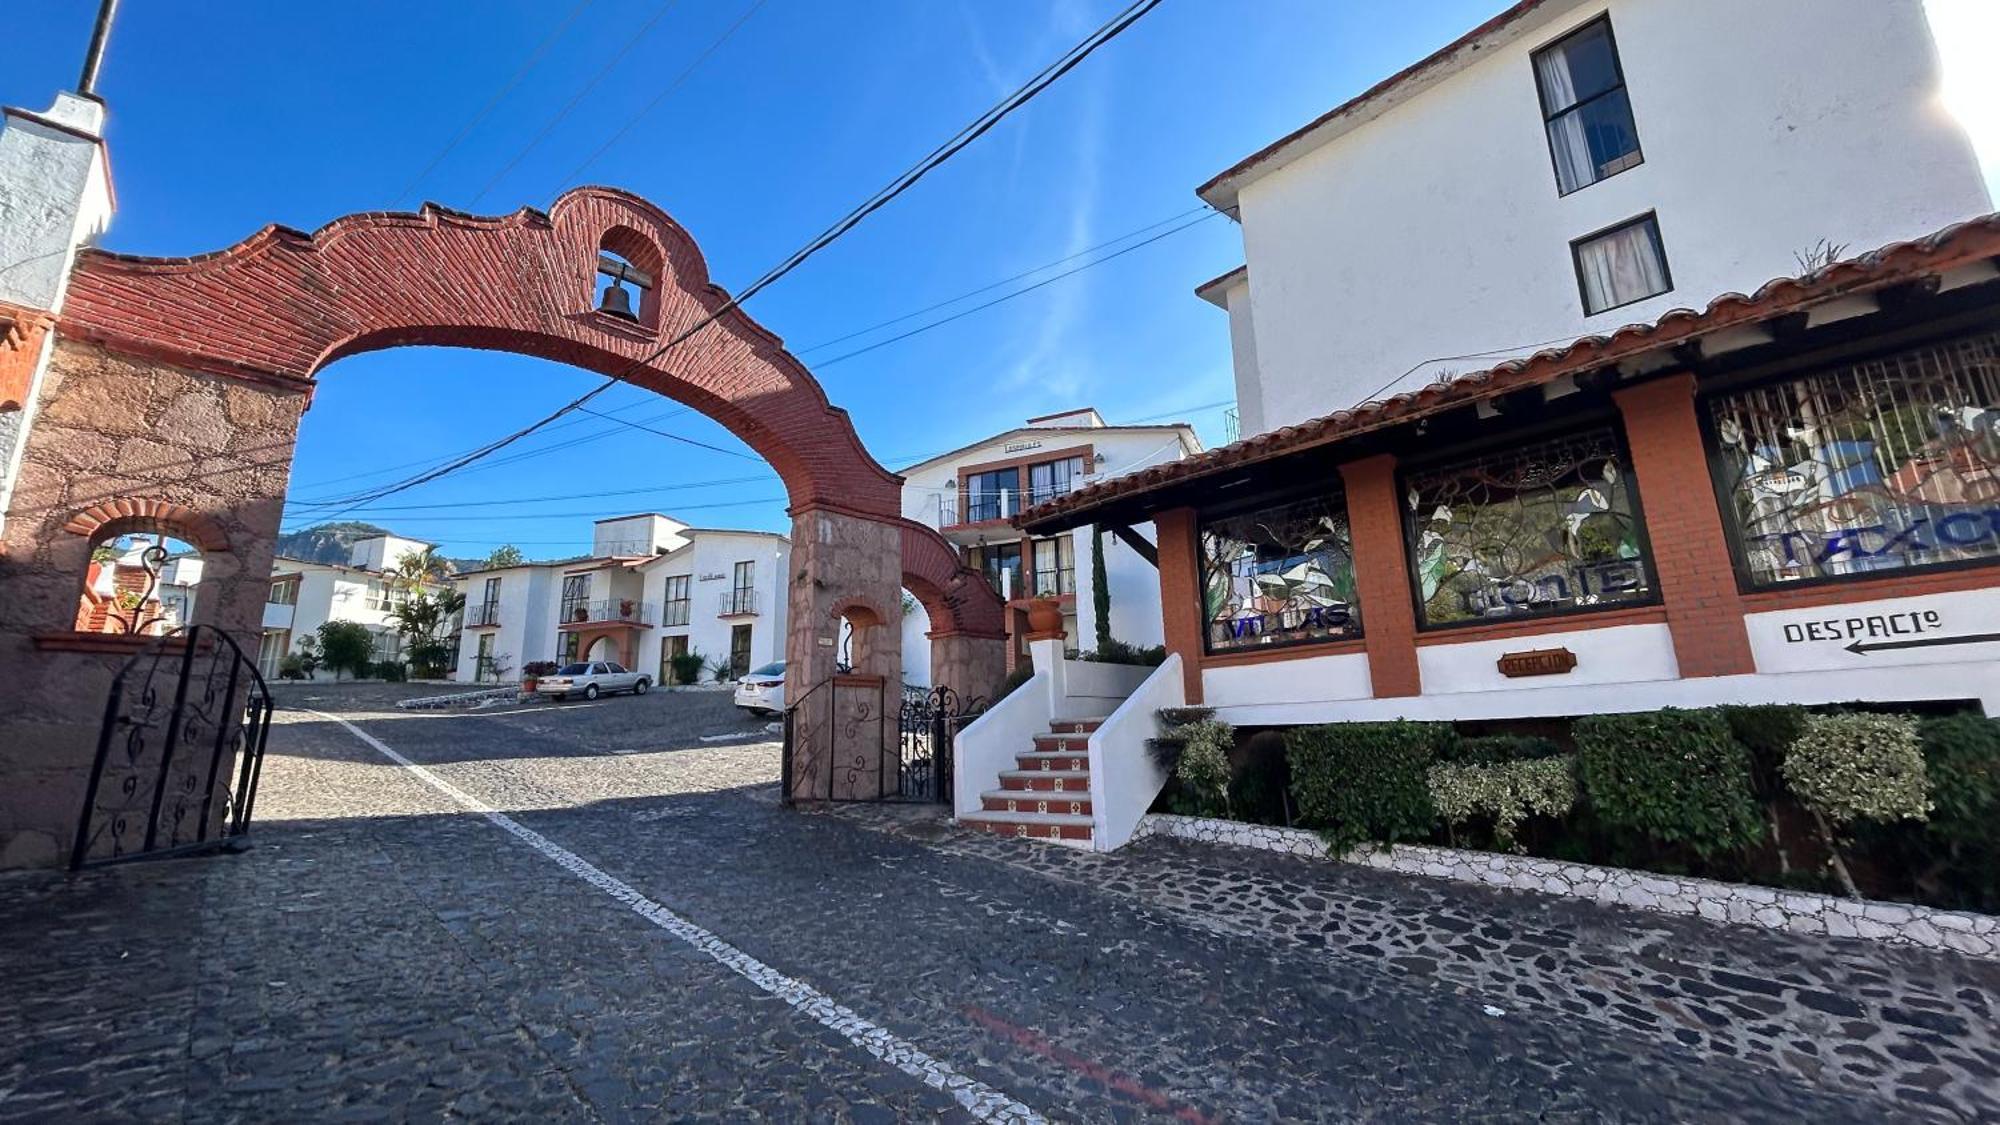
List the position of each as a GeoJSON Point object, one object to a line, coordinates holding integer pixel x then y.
{"type": "Point", "coordinates": [1047, 795]}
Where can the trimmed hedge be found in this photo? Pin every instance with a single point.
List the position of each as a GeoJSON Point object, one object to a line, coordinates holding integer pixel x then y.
{"type": "Point", "coordinates": [1679, 777]}
{"type": "Point", "coordinates": [1493, 749]}
{"type": "Point", "coordinates": [1361, 782]}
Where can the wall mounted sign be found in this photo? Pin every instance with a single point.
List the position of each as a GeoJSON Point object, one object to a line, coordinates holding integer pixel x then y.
{"type": "Point", "coordinates": [1538, 662]}
{"type": "Point", "coordinates": [1022, 446]}
{"type": "Point", "coordinates": [713, 577]}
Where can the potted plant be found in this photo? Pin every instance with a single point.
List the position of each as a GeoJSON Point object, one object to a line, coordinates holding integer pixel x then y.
{"type": "Point", "coordinates": [625, 609]}
{"type": "Point", "coordinates": [533, 671]}
{"type": "Point", "coordinates": [580, 614]}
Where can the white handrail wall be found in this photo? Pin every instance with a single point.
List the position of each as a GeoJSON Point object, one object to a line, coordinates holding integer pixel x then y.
{"type": "Point", "coordinates": [989, 743]}
{"type": "Point", "coordinates": [1124, 778]}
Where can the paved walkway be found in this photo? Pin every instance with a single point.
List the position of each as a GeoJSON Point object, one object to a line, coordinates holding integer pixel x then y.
{"type": "Point", "coordinates": [641, 934]}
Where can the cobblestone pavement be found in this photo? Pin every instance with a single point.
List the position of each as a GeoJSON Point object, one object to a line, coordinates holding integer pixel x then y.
{"type": "Point", "coordinates": [385, 952]}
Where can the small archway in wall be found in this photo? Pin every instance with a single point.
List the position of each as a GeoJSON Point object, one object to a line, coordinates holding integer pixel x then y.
{"type": "Point", "coordinates": [144, 565]}
{"type": "Point", "coordinates": [255, 323]}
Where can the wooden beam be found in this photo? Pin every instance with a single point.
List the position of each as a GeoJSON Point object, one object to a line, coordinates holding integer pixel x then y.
{"type": "Point", "coordinates": [1137, 542]}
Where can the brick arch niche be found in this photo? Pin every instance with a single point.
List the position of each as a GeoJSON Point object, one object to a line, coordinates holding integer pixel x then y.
{"type": "Point", "coordinates": [183, 380]}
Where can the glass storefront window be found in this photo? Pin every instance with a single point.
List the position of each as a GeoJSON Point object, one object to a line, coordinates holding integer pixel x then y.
{"type": "Point", "coordinates": [1530, 530]}
{"type": "Point", "coordinates": [1279, 575]}
{"type": "Point", "coordinates": [1877, 466]}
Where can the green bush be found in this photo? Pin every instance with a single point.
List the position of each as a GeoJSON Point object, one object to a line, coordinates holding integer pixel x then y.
{"type": "Point", "coordinates": [1508, 792]}
{"type": "Point", "coordinates": [1676, 776]}
{"type": "Point", "coordinates": [391, 671]}
{"type": "Point", "coordinates": [1203, 769]}
{"type": "Point", "coordinates": [1766, 731]}
{"type": "Point", "coordinates": [291, 667]}
{"type": "Point", "coordinates": [687, 666]}
{"type": "Point", "coordinates": [1116, 651]}
{"type": "Point", "coordinates": [1491, 749]}
{"type": "Point", "coordinates": [1962, 759]}
{"type": "Point", "coordinates": [1855, 767]}
{"type": "Point", "coordinates": [344, 646]}
{"type": "Point", "coordinates": [1022, 673]}
{"type": "Point", "coordinates": [1358, 782]}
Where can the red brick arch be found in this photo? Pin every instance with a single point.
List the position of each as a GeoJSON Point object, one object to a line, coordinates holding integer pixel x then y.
{"type": "Point", "coordinates": [283, 304]}
{"type": "Point", "coordinates": [112, 518]}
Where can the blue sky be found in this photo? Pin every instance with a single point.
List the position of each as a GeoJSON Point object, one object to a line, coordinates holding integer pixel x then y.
{"type": "Point", "coordinates": [227, 116]}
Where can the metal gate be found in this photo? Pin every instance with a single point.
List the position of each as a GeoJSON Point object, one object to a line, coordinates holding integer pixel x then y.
{"type": "Point", "coordinates": [181, 713]}
{"type": "Point", "coordinates": [926, 726]}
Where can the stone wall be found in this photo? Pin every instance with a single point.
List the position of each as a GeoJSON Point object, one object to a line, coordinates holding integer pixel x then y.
{"type": "Point", "coordinates": [841, 564]}
{"type": "Point", "coordinates": [112, 431]}
{"type": "Point", "coordinates": [1895, 923]}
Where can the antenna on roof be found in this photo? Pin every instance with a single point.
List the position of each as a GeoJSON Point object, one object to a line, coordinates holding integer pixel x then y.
{"type": "Point", "coordinates": [93, 59]}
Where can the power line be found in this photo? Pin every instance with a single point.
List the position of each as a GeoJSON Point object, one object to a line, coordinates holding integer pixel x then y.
{"type": "Point", "coordinates": [997, 284]}
{"type": "Point", "coordinates": [1005, 297]}
{"type": "Point", "coordinates": [663, 94]}
{"type": "Point", "coordinates": [572, 496]}
{"type": "Point", "coordinates": [603, 72]}
{"type": "Point", "coordinates": [675, 437]}
{"type": "Point", "coordinates": [493, 102]}
{"type": "Point", "coordinates": [592, 514]}
{"type": "Point", "coordinates": [965, 136]}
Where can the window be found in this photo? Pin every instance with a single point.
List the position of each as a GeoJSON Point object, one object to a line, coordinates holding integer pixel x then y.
{"type": "Point", "coordinates": [570, 647]}
{"type": "Point", "coordinates": [739, 651]}
{"type": "Point", "coordinates": [483, 665]}
{"type": "Point", "coordinates": [1001, 563]}
{"type": "Point", "coordinates": [1055, 567]}
{"type": "Point", "coordinates": [1878, 466]}
{"type": "Point", "coordinates": [1589, 117]}
{"type": "Point", "coordinates": [1530, 530]}
{"type": "Point", "coordinates": [1279, 575]}
{"type": "Point", "coordinates": [1619, 266]}
{"type": "Point", "coordinates": [678, 599]}
{"type": "Point", "coordinates": [575, 598]}
{"type": "Point", "coordinates": [285, 591]}
{"type": "Point", "coordinates": [671, 647]}
{"type": "Point", "coordinates": [992, 495]}
{"type": "Point", "coordinates": [1051, 479]}
{"type": "Point", "coordinates": [615, 668]}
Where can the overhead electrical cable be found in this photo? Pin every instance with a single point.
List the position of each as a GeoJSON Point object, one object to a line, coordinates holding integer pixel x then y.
{"type": "Point", "coordinates": [979, 127]}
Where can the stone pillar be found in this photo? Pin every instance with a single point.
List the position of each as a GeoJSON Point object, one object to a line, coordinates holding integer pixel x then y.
{"type": "Point", "coordinates": [1179, 545]}
{"type": "Point", "coordinates": [971, 665]}
{"type": "Point", "coordinates": [1690, 555]}
{"type": "Point", "coordinates": [843, 565]}
{"type": "Point", "coordinates": [1382, 576]}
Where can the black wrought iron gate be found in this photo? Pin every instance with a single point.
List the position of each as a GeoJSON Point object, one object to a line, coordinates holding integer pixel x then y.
{"type": "Point", "coordinates": [186, 709]}
{"type": "Point", "coordinates": [912, 764]}
{"type": "Point", "coordinates": [927, 723]}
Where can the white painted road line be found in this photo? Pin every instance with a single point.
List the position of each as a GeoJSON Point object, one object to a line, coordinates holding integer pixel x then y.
{"type": "Point", "coordinates": [982, 1101]}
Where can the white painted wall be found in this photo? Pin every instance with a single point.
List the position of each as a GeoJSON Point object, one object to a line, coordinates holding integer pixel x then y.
{"type": "Point", "coordinates": [1620, 654]}
{"type": "Point", "coordinates": [1435, 229]}
{"type": "Point", "coordinates": [1125, 780]}
{"type": "Point", "coordinates": [642, 534]}
{"type": "Point", "coordinates": [384, 552]}
{"type": "Point", "coordinates": [1316, 681]}
{"type": "Point", "coordinates": [709, 558]}
{"type": "Point", "coordinates": [1810, 640]}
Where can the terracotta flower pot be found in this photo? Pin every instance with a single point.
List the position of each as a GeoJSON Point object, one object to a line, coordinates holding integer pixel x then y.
{"type": "Point", "coordinates": [1045, 618]}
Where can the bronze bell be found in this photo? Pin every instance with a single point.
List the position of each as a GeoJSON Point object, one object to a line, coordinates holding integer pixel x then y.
{"type": "Point", "coordinates": [615, 301]}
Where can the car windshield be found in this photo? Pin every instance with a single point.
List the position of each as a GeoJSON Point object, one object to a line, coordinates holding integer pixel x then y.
{"type": "Point", "coordinates": [574, 670]}
{"type": "Point", "coordinates": [775, 668]}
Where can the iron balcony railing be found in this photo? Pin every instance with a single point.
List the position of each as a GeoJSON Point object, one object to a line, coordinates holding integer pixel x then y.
{"type": "Point", "coordinates": [677, 612]}
{"type": "Point", "coordinates": [1055, 582]}
{"type": "Point", "coordinates": [622, 611]}
{"type": "Point", "coordinates": [477, 616]}
{"type": "Point", "coordinates": [1004, 504]}
{"type": "Point", "coordinates": [737, 603]}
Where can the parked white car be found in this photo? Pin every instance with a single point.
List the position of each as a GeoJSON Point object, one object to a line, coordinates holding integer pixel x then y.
{"type": "Point", "coordinates": [599, 677]}
{"type": "Point", "coordinates": [762, 690]}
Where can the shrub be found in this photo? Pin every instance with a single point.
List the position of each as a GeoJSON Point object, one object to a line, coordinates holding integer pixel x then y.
{"type": "Point", "coordinates": [687, 666]}
{"type": "Point", "coordinates": [536, 669]}
{"type": "Point", "coordinates": [391, 671]}
{"type": "Point", "coordinates": [1022, 673]}
{"type": "Point", "coordinates": [1676, 776]}
{"type": "Point", "coordinates": [1358, 782]}
{"type": "Point", "coordinates": [1203, 769]}
{"type": "Point", "coordinates": [1508, 791]}
{"type": "Point", "coordinates": [1962, 759]}
{"type": "Point", "coordinates": [1766, 731]}
{"type": "Point", "coordinates": [1118, 652]}
{"type": "Point", "coordinates": [1492, 749]}
{"type": "Point", "coordinates": [291, 667]}
{"type": "Point", "coordinates": [1858, 766]}
{"type": "Point", "coordinates": [344, 646]}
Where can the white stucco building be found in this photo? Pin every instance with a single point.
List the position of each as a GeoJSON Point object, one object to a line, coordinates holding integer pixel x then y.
{"type": "Point", "coordinates": [1572, 166]}
{"type": "Point", "coordinates": [305, 595]}
{"type": "Point", "coordinates": [971, 494]}
{"type": "Point", "coordinates": [651, 587]}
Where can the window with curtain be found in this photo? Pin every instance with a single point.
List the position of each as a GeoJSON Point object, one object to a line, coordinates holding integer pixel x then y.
{"type": "Point", "coordinates": [1534, 529]}
{"type": "Point", "coordinates": [679, 598]}
{"type": "Point", "coordinates": [1589, 117]}
{"type": "Point", "coordinates": [993, 495]}
{"type": "Point", "coordinates": [1279, 575]}
{"type": "Point", "coordinates": [1619, 266]}
{"type": "Point", "coordinates": [1051, 479]}
{"type": "Point", "coordinates": [1055, 567]}
{"type": "Point", "coordinates": [1001, 563]}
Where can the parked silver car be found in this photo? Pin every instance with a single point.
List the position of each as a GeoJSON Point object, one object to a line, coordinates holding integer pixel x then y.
{"type": "Point", "coordinates": [762, 691]}
{"type": "Point", "coordinates": [599, 677]}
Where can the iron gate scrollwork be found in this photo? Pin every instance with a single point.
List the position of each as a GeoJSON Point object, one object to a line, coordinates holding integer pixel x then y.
{"type": "Point", "coordinates": [927, 724]}
{"type": "Point", "coordinates": [180, 713]}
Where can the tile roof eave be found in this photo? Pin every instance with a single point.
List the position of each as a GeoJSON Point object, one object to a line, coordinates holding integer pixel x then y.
{"type": "Point", "coordinates": [1960, 244]}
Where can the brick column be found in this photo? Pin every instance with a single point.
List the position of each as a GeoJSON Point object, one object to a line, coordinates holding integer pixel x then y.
{"type": "Point", "coordinates": [1180, 591]}
{"type": "Point", "coordinates": [1382, 576]}
{"type": "Point", "coordinates": [1690, 556]}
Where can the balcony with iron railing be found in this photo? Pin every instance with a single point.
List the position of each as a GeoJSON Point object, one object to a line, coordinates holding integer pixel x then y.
{"type": "Point", "coordinates": [1004, 504]}
{"type": "Point", "coordinates": [615, 611]}
{"type": "Point", "coordinates": [739, 602]}
{"type": "Point", "coordinates": [481, 616]}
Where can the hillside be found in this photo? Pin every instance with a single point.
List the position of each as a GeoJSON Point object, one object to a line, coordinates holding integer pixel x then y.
{"type": "Point", "coordinates": [327, 542]}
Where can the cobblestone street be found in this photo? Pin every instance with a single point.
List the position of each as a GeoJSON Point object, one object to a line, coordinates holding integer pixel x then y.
{"type": "Point", "coordinates": [598, 912]}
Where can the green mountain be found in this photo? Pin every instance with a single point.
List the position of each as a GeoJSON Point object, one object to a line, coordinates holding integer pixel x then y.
{"type": "Point", "coordinates": [327, 542]}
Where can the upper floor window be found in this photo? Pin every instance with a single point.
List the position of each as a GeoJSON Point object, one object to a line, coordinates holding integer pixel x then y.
{"type": "Point", "coordinates": [492, 595]}
{"type": "Point", "coordinates": [1589, 118]}
{"type": "Point", "coordinates": [1538, 528]}
{"type": "Point", "coordinates": [1873, 468]}
{"type": "Point", "coordinates": [1279, 575]}
{"type": "Point", "coordinates": [994, 495]}
{"type": "Point", "coordinates": [285, 591]}
{"type": "Point", "coordinates": [1051, 479]}
{"type": "Point", "coordinates": [1621, 265]}
{"type": "Point", "coordinates": [678, 599]}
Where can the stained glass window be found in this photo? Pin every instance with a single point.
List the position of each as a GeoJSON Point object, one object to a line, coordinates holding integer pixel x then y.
{"type": "Point", "coordinates": [1279, 575]}
{"type": "Point", "coordinates": [1873, 467]}
{"type": "Point", "coordinates": [1529, 530]}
